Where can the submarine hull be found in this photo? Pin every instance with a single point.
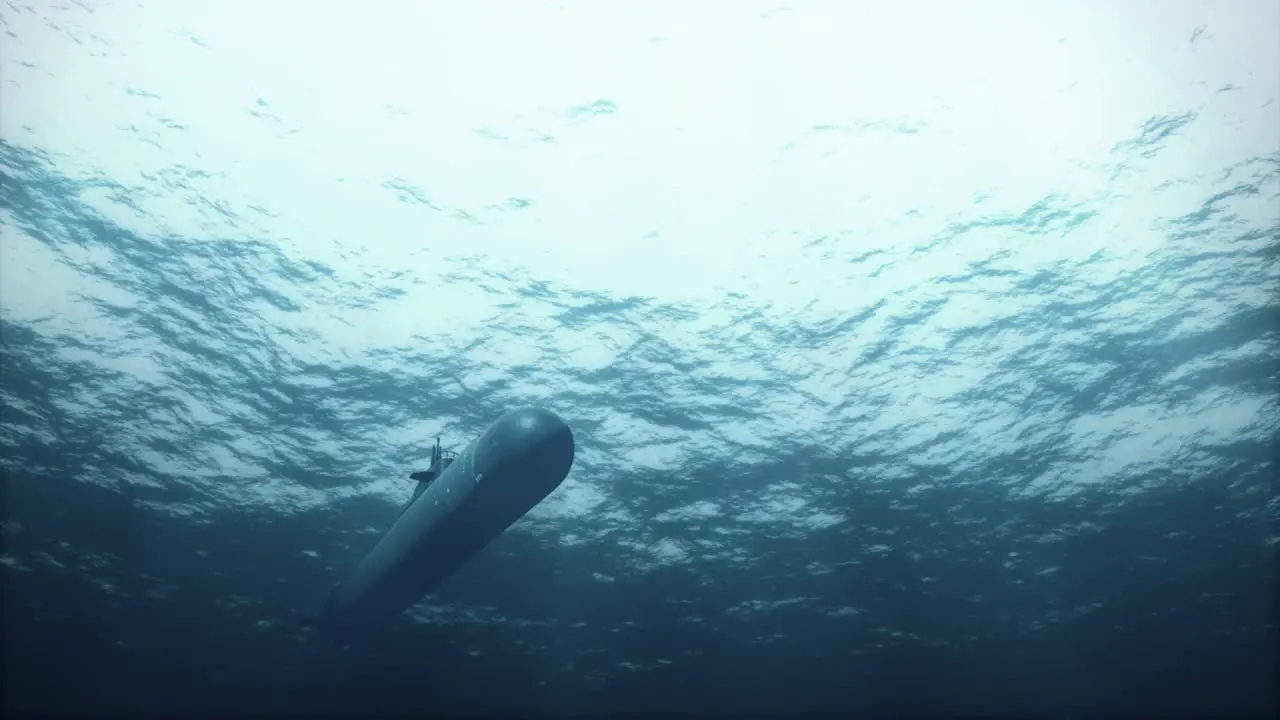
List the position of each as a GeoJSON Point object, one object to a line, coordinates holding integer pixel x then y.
{"type": "Point", "coordinates": [523, 456]}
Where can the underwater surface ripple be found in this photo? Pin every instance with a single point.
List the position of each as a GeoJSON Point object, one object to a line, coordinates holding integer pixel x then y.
{"type": "Point", "coordinates": [873, 452]}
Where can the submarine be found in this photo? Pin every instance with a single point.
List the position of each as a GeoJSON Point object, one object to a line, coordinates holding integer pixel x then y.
{"type": "Point", "coordinates": [461, 502]}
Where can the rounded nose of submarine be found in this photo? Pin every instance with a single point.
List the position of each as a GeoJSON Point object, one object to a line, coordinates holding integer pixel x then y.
{"type": "Point", "coordinates": [531, 446]}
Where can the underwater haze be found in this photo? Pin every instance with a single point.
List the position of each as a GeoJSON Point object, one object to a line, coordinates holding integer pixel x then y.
{"type": "Point", "coordinates": [921, 356]}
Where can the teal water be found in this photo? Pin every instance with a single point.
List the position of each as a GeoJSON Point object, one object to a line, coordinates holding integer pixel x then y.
{"type": "Point", "coordinates": [921, 357]}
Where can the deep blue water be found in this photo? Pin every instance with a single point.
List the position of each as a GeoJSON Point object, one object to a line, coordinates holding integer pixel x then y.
{"type": "Point", "coordinates": [857, 432]}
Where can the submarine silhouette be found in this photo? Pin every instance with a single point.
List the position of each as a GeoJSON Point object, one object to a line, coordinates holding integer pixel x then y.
{"type": "Point", "coordinates": [461, 503]}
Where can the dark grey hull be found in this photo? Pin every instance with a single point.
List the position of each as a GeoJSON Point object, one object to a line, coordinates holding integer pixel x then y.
{"type": "Point", "coordinates": [503, 473]}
